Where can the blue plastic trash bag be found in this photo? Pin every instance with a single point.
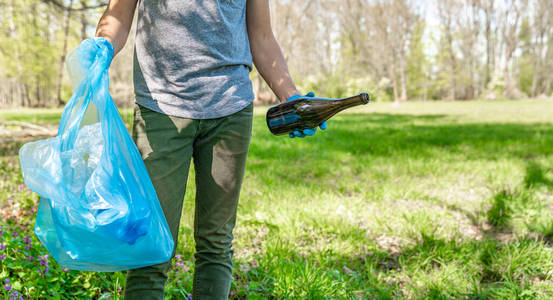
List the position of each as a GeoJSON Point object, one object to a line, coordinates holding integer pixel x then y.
{"type": "Point", "coordinates": [98, 209]}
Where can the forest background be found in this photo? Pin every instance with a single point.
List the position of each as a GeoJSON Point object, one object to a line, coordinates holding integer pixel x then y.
{"type": "Point", "coordinates": [397, 49]}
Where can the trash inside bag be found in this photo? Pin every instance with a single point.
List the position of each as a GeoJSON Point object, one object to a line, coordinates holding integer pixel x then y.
{"type": "Point", "coordinates": [98, 209]}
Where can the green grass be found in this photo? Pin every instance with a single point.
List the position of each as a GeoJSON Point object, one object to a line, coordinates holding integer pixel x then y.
{"type": "Point", "coordinates": [36, 116]}
{"type": "Point", "coordinates": [422, 201]}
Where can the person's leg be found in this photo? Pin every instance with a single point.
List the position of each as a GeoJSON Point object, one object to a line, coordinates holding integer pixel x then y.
{"type": "Point", "coordinates": [219, 159]}
{"type": "Point", "coordinates": [166, 145]}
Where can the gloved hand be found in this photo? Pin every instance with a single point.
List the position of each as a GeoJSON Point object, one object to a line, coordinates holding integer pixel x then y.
{"type": "Point", "coordinates": [91, 52]}
{"type": "Point", "coordinates": [306, 131]}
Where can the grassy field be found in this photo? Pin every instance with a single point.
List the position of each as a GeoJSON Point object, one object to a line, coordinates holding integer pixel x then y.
{"type": "Point", "coordinates": [421, 201]}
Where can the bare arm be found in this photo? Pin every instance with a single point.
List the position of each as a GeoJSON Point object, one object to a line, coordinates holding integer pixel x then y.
{"type": "Point", "coordinates": [115, 23]}
{"type": "Point", "coordinates": [266, 53]}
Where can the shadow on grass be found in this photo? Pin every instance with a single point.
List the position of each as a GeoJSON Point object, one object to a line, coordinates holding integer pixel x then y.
{"type": "Point", "coordinates": [510, 201]}
{"type": "Point", "coordinates": [545, 230]}
{"type": "Point", "coordinates": [390, 135]}
{"type": "Point", "coordinates": [368, 137]}
{"type": "Point", "coordinates": [536, 175]}
{"type": "Point", "coordinates": [496, 269]}
{"type": "Point", "coordinates": [434, 268]}
{"type": "Point", "coordinates": [500, 214]}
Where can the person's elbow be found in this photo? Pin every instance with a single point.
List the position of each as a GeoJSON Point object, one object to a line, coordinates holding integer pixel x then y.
{"type": "Point", "coordinates": [261, 42]}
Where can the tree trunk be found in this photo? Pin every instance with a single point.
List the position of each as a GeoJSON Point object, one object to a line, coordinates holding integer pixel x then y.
{"type": "Point", "coordinates": [63, 53]}
{"type": "Point", "coordinates": [453, 82]}
{"type": "Point", "coordinates": [511, 39]}
{"type": "Point", "coordinates": [489, 52]}
{"type": "Point", "coordinates": [403, 78]}
{"type": "Point", "coordinates": [396, 93]}
{"type": "Point", "coordinates": [13, 35]}
{"type": "Point", "coordinates": [453, 65]}
{"type": "Point", "coordinates": [26, 97]}
{"type": "Point", "coordinates": [533, 90]}
{"type": "Point", "coordinates": [509, 85]}
{"type": "Point", "coordinates": [36, 55]}
{"type": "Point", "coordinates": [84, 21]}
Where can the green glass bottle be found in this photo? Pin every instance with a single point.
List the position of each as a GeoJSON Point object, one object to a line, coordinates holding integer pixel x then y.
{"type": "Point", "coordinates": [308, 112]}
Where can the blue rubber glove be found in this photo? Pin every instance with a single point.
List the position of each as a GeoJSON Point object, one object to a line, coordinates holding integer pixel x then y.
{"type": "Point", "coordinates": [306, 131]}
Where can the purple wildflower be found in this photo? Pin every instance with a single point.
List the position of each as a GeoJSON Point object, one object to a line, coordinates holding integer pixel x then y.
{"type": "Point", "coordinates": [178, 256]}
{"type": "Point", "coordinates": [10, 201]}
{"type": "Point", "coordinates": [7, 286]}
{"type": "Point", "coordinates": [15, 234]}
{"type": "Point", "coordinates": [27, 240]}
{"type": "Point", "coordinates": [43, 260]}
{"type": "Point", "coordinates": [21, 187]}
{"type": "Point", "coordinates": [28, 247]}
{"type": "Point", "coordinates": [179, 263]}
{"type": "Point", "coordinates": [14, 295]}
{"type": "Point", "coordinates": [46, 269]}
{"type": "Point", "coordinates": [3, 256]}
{"type": "Point", "coordinates": [189, 297]}
{"type": "Point", "coordinates": [29, 258]}
{"type": "Point", "coordinates": [65, 270]}
{"type": "Point", "coordinates": [2, 246]}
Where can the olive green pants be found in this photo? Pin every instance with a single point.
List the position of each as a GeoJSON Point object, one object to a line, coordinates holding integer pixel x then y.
{"type": "Point", "coordinates": [219, 148]}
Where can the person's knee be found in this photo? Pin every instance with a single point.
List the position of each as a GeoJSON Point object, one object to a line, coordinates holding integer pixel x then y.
{"type": "Point", "coordinates": [154, 273]}
{"type": "Point", "coordinates": [214, 245]}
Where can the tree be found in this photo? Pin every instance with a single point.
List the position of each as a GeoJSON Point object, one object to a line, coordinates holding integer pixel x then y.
{"type": "Point", "coordinates": [447, 10]}
{"type": "Point", "coordinates": [468, 24]}
{"type": "Point", "coordinates": [510, 20]}
{"type": "Point", "coordinates": [418, 65]}
{"type": "Point", "coordinates": [333, 47]}
{"type": "Point", "coordinates": [490, 30]}
{"type": "Point", "coordinates": [541, 47]}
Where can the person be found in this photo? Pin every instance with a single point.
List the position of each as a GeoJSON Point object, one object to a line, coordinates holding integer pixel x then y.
{"type": "Point", "coordinates": [194, 101]}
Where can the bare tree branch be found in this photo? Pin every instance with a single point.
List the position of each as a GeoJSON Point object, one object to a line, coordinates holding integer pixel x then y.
{"type": "Point", "coordinates": [60, 5]}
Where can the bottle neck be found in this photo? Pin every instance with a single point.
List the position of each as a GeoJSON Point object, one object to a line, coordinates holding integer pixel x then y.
{"type": "Point", "coordinates": [362, 98]}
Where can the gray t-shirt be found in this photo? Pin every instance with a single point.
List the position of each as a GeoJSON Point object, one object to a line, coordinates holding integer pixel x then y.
{"type": "Point", "coordinates": [192, 57]}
